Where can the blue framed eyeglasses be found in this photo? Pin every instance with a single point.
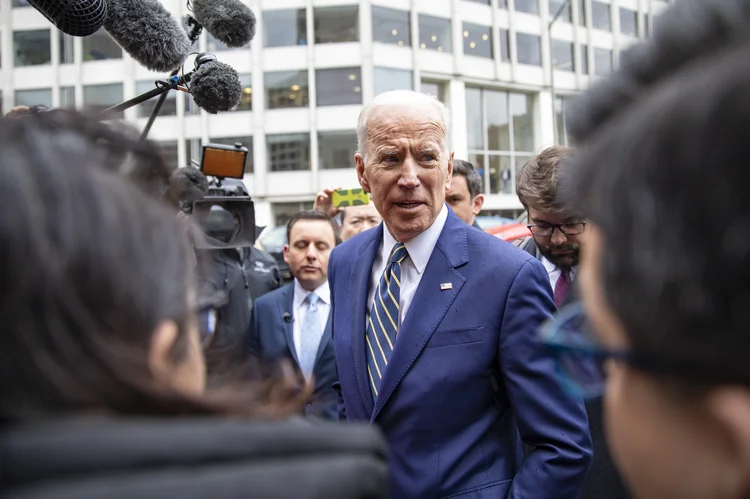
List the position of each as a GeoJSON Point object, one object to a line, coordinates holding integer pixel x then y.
{"type": "Point", "coordinates": [579, 359]}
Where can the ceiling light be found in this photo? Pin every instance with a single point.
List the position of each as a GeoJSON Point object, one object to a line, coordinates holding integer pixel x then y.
{"type": "Point", "coordinates": [423, 46]}
{"type": "Point", "coordinates": [473, 45]}
{"type": "Point", "coordinates": [400, 43]}
{"type": "Point", "coordinates": [247, 90]}
{"type": "Point", "coordinates": [394, 32]}
{"type": "Point", "coordinates": [292, 96]}
{"type": "Point", "coordinates": [466, 34]}
{"type": "Point", "coordinates": [357, 89]}
{"type": "Point", "coordinates": [295, 88]}
{"type": "Point", "coordinates": [484, 37]}
{"type": "Point", "coordinates": [434, 38]}
{"type": "Point", "coordinates": [352, 77]}
{"type": "Point", "coordinates": [440, 49]}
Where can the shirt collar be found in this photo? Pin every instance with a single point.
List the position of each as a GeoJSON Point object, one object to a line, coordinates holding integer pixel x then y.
{"type": "Point", "coordinates": [419, 247]}
{"type": "Point", "coordinates": [300, 294]}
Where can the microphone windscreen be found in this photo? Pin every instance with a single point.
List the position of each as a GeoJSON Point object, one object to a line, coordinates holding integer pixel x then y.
{"type": "Point", "coordinates": [73, 17]}
{"type": "Point", "coordinates": [229, 21]}
{"type": "Point", "coordinates": [148, 32]}
{"type": "Point", "coordinates": [215, 87]}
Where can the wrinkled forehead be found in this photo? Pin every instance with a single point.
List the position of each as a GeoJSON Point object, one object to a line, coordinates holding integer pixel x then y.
{"type": "Point", "coordinates": [417, 122]}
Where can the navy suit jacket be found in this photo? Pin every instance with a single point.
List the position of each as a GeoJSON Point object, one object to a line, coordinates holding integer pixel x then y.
{"type": "Point", "coordinates": [270, 337]}
{"type": "Point", "coordinates": [467, 374]}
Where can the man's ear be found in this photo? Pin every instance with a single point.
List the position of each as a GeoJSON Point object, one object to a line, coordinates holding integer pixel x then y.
{"type": "Point", "coordinates": [730, 407]}
{"type": "Point", "coordinates": [477, 204]}
{"type": "Point", "coordinates": [286, 253]}
{"type": "Point", "coordinates": [359, 161]}
{"type": "Point", "coordinates": [159, 360]}
{"type": "Point", "coordinates": [449, 173]}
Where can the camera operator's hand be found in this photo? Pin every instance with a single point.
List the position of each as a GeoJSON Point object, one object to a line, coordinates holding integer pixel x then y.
{"type": "Point", "coordinates": [324, 202]}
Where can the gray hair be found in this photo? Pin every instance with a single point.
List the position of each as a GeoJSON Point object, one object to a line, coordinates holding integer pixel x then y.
{"type": "Point", "coordinates": [402, 98]}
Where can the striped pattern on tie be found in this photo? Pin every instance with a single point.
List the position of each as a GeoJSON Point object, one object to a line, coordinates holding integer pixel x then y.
{"type": "Point", "coordinates": [382, 325]}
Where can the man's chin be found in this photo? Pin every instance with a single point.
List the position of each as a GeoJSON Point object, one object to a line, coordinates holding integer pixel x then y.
{"type": "Point", "coordinates": [563, 261]}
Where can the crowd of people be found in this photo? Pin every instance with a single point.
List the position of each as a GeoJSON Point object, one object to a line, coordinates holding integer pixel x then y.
{"type": "Point", "coordinates": [412, 355]}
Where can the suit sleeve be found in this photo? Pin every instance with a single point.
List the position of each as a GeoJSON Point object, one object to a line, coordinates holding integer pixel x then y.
{"type": "Point", "coordinates": [336, 385]}
{"type": "Point", "coordinates": [551, 422]}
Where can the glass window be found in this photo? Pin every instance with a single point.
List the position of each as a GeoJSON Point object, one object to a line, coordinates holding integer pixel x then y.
{"type": "Point", "coordinates": [601, 16]}
{"type": "Point", "coordinates": [562, 55]}
{"type": "Point", "coordinates": [336, 24]}
{"type": "Point", "coordinates": [68, 97]}
{"type": "Point", "coordinates": [582, 21]}
{"type": "Point", "coordinates": [286, 89]}
{"type": "Point", "coordinates": [337, 149]}
{"type": "Point", "coordinates": [284, 28]}
{"type": "Point", "coordinates": [529, 48]}
{"type": "Point", "coordinates": [585, 59]}
{"type": "Point", "coordinates": [485, 2]}
{"type": "Point", "coordinates": [21, 3]}
{"type": "Point", "coordinates": [528, 6]}
{"type": "Point", "coordinates": [434, 88]}
{"type": "Point", "coordinates": [283, 212]}
{"type": "Point", "coordinates": [214, 45]}
{"type": "Point", "coordinates": [628, 22]}
{"type": "Point", "coordinates": [387, 79]}
{"type": "Point", "coordinates": [169, 108]}
{"type": "Point", "coordinates": [501, 135]}
{"type": "Point", "coordinates": [477, 40]}
{"type": "Point", "coordinates": [100, 97]}
{"type": "Point", "coordinates": [168, 151]}
{"type": "Point", "coordinates": [435, 33]}
{"type": "Point", "coordinates": [337, 87]}
{"type": "Point", "coordinates": [36, 97]}
{"type": "Point", "coordinates": [560, 110]}
{"type": "Point", "coordinates": [245, 141]}
{"type": "Point", "coordinates": [32, 48]}
{"type": "Point", "coordinates": [391, 26]}
{"type": "Point", "coordinates": [67, 50]}
{"type": "Point", "coordinates": [504, 45]}
{"type": "Point", "coordinates": [554, 7]}
{"type": "Point", "coordinates": [602, 61]}
{"type": "Point", "coordinates": [288, 152]}
{"type": "Point", "coordinates": [100, 46]}
{"type": "Point", "coordinates": [246, 98]}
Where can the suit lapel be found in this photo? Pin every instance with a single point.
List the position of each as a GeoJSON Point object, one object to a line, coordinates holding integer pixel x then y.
{"type": "Point", "coordinates": [324, 339]}
{"type": "Point", "coordinates": [286, 306]}
{"type": "Point", "coordinates": [430, 304]}
{"type": "Point", "coordinates": [360, 287]}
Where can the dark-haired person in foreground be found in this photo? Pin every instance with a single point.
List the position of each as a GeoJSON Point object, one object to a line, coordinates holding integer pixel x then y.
{"type": "Point", "coordinates": [294, 322]}
{"type": "Point", "coordinates": [557, 231]}
{"type": "Point", "coordinates": [465, 195]}
{"type": "Point", "coordinates": [101, 369]}
{"type": "Point", "coordinates": [665, 275]}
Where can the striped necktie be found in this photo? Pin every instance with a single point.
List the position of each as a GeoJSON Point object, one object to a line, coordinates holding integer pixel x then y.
{"type": "Point", "coordinates": [382, 326]}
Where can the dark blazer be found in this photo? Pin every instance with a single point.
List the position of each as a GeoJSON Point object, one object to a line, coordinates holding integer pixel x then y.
{"type": "Point", "coordinates": [467, 373]}
{"type": "Point", "coordinates": [604, 481]}
{"type": "Point", "coordinates": [202, 457]}
{"type": "Point", "coordinates": [271, 337]}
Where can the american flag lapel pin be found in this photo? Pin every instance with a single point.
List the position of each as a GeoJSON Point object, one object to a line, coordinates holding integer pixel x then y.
{"type": "Point", "coordinates": [446, 285]}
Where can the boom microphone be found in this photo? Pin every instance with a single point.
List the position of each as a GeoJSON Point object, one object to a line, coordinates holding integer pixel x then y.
{"type": "Point", "coordinates": [73, 17]}
{"type": "Point", "coordinates": [229, 21]}
{"type": "Point", "coordinates": [149, 33]}
{"type": "Point", "coordinates": [215, 86]}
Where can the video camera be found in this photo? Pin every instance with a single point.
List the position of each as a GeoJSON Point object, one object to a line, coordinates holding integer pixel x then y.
{"type": "Point", "coordinates": [227, 213]}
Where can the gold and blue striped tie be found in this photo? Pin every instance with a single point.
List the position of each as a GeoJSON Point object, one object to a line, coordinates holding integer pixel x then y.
{"type": "Point", "coordinates": [382, 325]}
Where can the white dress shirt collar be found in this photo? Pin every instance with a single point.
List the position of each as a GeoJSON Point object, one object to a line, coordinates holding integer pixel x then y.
{"type": "Point", "coordinates": [300, 294]}
{"type": "Point", "coordinates": [419, 247]}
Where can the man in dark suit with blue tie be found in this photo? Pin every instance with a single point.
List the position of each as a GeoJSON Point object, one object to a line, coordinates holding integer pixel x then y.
{"type": "Point", "coordinates": [435, 330]}
{"type": "Point", "coordinates": [293, 322]}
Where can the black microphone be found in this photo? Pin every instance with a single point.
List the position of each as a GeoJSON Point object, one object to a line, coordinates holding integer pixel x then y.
{"type": "Point", "coordinates": [229, 21]}
{"type": "Point", "coordinates": [215, 86]}
{"type": "Point", "coordinates": [149, 33]}
{"type": "Point", "coordinates": [287, 317]}
{"type": "Point", "coordinates": [73, 17]}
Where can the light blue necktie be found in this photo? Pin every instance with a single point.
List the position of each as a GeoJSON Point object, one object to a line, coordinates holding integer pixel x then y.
{"type": "Point", "coordinates": [311, 334]}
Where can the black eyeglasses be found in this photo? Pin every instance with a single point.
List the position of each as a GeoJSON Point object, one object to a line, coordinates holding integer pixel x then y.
{"type": "Point", "coordinates": [546, 230]}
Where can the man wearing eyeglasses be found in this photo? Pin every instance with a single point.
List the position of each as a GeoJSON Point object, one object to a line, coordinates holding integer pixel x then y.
{"type": "Point", "coordinates": [555, 229]}
{"type": "Point", "coordinates": [556, 232]}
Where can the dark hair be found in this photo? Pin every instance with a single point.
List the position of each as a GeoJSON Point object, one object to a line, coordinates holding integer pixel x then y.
{"type": "Point", "coordinates": [473, 179]}
{"type": "Point", "coordinates": [90, 267]}
{"type": "Point", "coordinates": [313, 215]}
{"type": "Point", "coordinates": [666, 182]}
{"type": "Point", "coordinates": [536, 184]}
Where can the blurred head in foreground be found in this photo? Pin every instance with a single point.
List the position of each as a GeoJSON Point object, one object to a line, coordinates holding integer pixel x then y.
{"type": "Point", "coordinates": [665, 278]}
{"type": "Point", "coordinates": [97, 300]}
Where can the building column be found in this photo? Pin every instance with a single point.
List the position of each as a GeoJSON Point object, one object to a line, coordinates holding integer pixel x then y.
{"type": "Point", "coordinates": [544, 127]}
{"type": "Point", "coordinates": [456, 99]}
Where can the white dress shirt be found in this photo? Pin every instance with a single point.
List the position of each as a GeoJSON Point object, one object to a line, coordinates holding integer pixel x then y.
{"type": "Point", "coordinates": [299, 309]}
{"type": "Point", "coordinates": [554, 272]}
{"type": "Point", "coordinates": [419, 249]}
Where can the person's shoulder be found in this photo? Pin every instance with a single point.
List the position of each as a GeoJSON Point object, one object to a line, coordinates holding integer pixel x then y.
{"type": "Point", "coordinates": [351, 248]}
{"type": "Point", "coordinates": [260, 255]}
{"type": "Point", "coordinates": [274, 296]}
{"type": "Point", "coordinates": [494, 249]}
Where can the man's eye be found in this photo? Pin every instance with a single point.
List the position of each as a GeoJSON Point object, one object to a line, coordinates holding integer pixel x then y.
{"type": "Point", "coordinates": [429, 157]}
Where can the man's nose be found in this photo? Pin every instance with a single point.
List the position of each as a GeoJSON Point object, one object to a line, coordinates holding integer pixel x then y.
{"type": "Point", "coordinates": [409, 178]}
{"type": "Point", "coordinates": [312, 252]}
{"type": "Point", "coordinates": [558, 237]}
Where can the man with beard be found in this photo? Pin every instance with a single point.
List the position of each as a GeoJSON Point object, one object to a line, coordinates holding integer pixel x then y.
{"type": "Point", "coordinates": [556, 232]}
{"type": "Point", "coordinates": [555, 228]}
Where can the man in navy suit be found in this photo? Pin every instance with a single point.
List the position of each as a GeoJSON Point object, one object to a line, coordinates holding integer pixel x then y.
{"type": "Point", "coordinates": [294, 321]}
{"type": "Point", "coordinates": [435, 330]}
